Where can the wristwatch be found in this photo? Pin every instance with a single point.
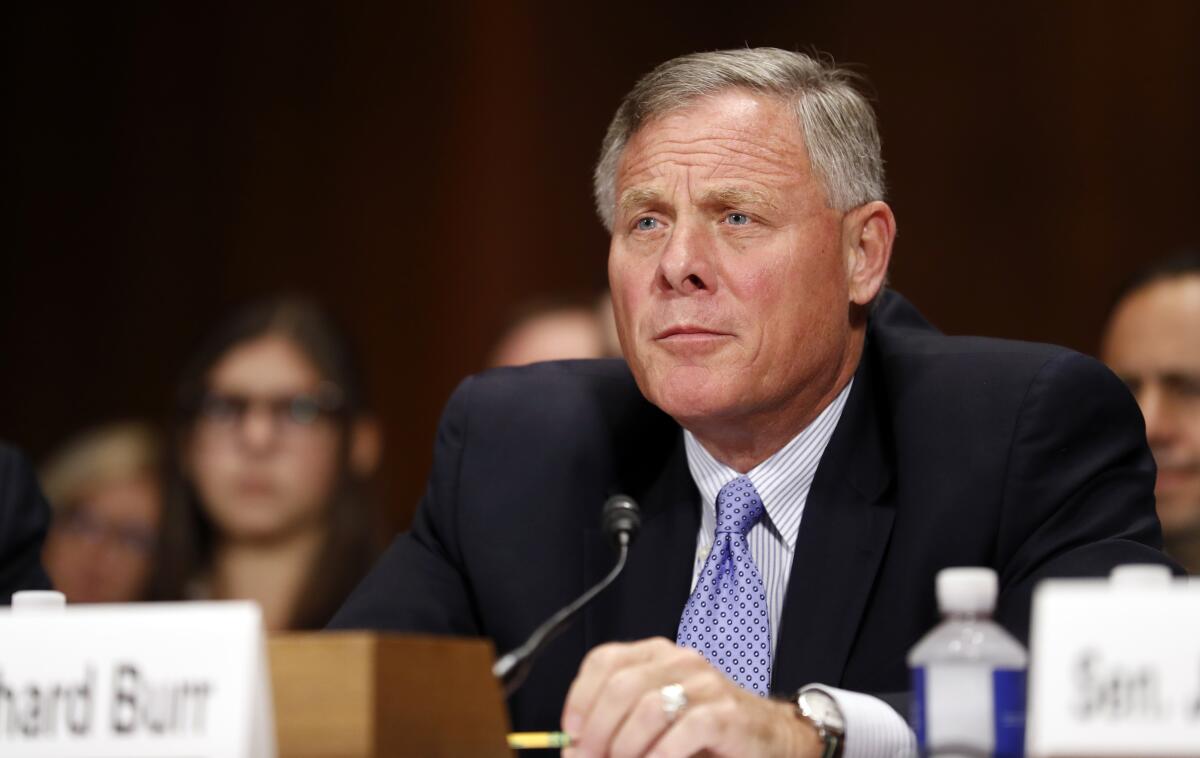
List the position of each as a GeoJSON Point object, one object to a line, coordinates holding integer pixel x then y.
{"type": "Point", "coordinates": [820, 710]}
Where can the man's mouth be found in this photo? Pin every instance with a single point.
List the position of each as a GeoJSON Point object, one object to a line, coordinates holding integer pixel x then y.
{"type": "Point", "coordinates": [681, 332]}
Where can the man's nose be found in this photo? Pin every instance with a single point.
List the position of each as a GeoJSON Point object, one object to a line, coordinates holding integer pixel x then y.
{"type": "Point", "coordinates": [686, 264]}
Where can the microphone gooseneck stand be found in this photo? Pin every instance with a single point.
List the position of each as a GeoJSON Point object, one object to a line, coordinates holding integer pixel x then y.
{"type": "Point", "coordinates": [620, 520]}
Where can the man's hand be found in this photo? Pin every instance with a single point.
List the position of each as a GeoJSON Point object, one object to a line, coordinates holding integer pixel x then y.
{"type": "Point", "coordinates": [615, 708]}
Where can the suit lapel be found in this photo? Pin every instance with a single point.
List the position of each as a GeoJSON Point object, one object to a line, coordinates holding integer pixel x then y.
{"type": "Point", "coordinates": [842, 538]}
{"type": "Point", "coordinates": [648, 597]}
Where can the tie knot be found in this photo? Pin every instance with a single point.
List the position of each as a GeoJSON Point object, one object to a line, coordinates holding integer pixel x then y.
{"type": "Point", "coordinates": [738, 507]}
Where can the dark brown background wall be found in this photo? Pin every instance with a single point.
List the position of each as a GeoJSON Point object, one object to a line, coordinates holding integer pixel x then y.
{"type": "Point", "coordinates": [421, 170]}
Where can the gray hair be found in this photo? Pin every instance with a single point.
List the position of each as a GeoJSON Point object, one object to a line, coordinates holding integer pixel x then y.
{"type": "Point", "coordinates": [837, 122]}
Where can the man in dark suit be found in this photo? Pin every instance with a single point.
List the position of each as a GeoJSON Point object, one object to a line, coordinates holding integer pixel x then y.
{"type": "Point", "coordinates": [748, 255]}
{"type": "Point", "coordinates": [24, 517]}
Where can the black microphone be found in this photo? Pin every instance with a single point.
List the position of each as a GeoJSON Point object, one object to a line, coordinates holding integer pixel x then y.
{"type": "Point", "coordinates": [620, 519]}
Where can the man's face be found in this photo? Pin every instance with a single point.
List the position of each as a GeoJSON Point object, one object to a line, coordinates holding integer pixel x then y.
{"type": "Point", "coordinates": [728, 267]}
{"type": "Point", "coordinates": [1153, 343]}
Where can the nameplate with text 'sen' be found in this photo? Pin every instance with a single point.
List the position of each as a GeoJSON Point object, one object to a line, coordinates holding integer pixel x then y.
{"type": "Point", "coordinates": [1114, 669]}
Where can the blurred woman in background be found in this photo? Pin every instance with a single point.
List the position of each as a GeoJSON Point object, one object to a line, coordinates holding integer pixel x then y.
{"type": "Point", "coordinates": [274, 449]}
{"type": "Point", "coordinates": [104, 487]}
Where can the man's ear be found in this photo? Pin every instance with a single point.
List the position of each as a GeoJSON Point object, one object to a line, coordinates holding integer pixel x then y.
{"type": "Point", "coordinates": [868, 231]}
{"type": "Point", "coordinates": [366, 446]}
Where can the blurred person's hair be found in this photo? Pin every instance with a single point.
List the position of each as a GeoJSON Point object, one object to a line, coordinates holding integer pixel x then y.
{"type": "Point", "coordinates": [99, 456]}
{"type": "Point", "coordinates": [837, 121]}
{"type": "Point", "coordinates": [188, 535]}
{"type": "Point", "coordinates": [1184, 262]}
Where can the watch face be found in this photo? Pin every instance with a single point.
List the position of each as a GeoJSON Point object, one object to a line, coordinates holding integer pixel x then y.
{"type": "Point", "coordinates": [822, 709]}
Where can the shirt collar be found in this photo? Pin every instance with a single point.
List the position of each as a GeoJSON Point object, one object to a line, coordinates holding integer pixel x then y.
{"type": "Point", "coordinates": [782, 481]}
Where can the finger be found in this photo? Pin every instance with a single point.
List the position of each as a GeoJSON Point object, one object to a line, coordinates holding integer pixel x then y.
{"type": "Point", "coordinates": [594, 672]}
{"type": "Point", "coordinates": [699, 728]}
{"type": "Point", "coordinates": [735, 724]}
{"type": "Point", "coordinates": [644, 668]}
{"type": "Point", "coordinates": [617, 700]}
{"type": "Point", "coordinates": [648, 720]}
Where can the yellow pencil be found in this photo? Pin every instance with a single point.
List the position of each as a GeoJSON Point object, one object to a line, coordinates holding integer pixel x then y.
{"type": "Point", "coordinates": [538, 740]}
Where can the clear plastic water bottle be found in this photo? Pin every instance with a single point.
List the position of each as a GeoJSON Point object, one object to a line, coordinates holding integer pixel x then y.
{"type": "Point", "coordinates": [968, 674]}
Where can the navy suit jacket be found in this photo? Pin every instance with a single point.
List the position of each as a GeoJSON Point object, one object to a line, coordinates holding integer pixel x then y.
{"type": "Point", "coordinates": [950, 451]}
{"type": "Point", "coordinates": [24, 517]}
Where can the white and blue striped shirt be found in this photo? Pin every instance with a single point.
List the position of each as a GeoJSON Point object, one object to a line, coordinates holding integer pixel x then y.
{"type": "Point", "coordinates": [782, 482]}
{"type": "Point", "coordinates": [873, 729]}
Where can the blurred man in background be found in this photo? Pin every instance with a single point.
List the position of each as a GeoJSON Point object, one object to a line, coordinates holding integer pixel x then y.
{"type": "Point", "coordinates": [558, 329]}
{"type": "Point", "coordinates": [1152, 341]}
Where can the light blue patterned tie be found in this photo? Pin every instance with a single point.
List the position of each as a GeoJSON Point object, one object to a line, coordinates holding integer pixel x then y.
{"type": "Point", "coordinates": [726, 616]}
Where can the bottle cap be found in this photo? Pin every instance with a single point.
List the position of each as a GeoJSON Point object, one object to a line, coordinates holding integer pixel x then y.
{"type": "Point", "coordinates": [966, 590]}
{"type": "Point", "coordinates": [1141, 575]}
{"type": "Point", "coordinates": [38, 600]}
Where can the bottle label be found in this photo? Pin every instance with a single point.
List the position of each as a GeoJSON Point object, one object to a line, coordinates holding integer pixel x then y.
{"type": "Point", "coordinates": [916, 706]}
{"type": "Point", "coordinates": [1008, 691]}
{"type": "Point", "coordinates": [968, 709]}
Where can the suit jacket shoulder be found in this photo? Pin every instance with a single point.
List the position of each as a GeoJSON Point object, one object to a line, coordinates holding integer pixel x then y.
{"type": "Point", "coordinates": [1027, 458]}
{"type": "Point", "coordinates": [24, 517]}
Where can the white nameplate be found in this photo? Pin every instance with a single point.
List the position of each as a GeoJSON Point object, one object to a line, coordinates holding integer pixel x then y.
{"type": "Point", "coordinates": [1114, 669]}
{"type": "Point", "coordinates": [169, 680]}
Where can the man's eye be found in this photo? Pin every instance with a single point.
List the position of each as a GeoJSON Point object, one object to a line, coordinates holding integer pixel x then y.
{"type": "Point", "coordinates": [737, 219]}
{"type": "Point", "coordinates": [1183, 385]}
{"type": "Point", "coordinates": [646, 224]}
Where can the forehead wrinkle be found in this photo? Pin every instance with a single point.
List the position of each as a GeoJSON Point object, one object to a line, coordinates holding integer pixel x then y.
{"type": "Point", "coordinates": [723, 194]}
{"type": "Point", "coordinates": [787, 158]}
{"type": "Point", "coordinates": [721, 158]}
{"type": "Point", "coordinates": [736, 196]}
{"type": "Point", "coordinates": [645, 173]}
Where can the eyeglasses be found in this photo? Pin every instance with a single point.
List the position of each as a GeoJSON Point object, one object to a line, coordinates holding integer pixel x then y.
{"type": "Point", "coordinates": [228, 410]}
{"type": "Point", "coordinates": [77, 522]}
